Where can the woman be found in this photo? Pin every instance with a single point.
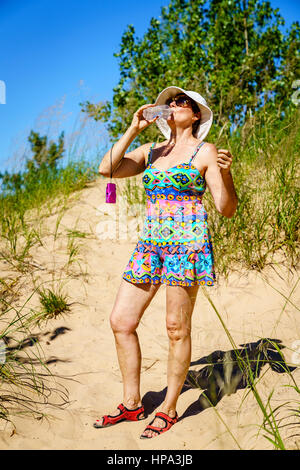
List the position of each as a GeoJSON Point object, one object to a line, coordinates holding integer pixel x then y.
{"type": "Point", "coordinates": [175, 248]}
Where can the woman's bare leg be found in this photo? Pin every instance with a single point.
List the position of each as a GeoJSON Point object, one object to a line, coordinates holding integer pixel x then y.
{"type": "Point", "coordinates": [130, 304]}
{"type": "Point", "coordinates": [180, 305]}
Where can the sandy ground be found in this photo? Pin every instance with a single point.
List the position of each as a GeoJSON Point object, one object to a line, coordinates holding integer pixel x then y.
{"type": "Point", "coordinates": [253, 306]}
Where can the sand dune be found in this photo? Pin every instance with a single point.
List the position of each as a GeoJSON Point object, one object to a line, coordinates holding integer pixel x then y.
{"type": "Point", "coordinates": [253, 305]}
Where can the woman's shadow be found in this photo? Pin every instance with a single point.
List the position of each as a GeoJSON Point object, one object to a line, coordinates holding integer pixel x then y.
{"type": "Point", "coordinates": [225, 373]}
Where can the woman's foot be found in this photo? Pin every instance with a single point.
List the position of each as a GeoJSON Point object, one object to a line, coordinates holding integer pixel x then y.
{"type": "Point", "coordinates": [160, 424]}
{"type": "Point", "coordinates": [121, 414]}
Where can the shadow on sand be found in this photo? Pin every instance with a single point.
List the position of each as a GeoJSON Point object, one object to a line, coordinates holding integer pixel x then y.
{"type": "Point", "coordinates": [29, 342]}
{"type": "Point", "coordinates": [222, 374]}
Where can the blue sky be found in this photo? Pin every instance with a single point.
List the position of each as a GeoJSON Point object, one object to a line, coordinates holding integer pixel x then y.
{"type": "Point", "coordinates": [57, 53]}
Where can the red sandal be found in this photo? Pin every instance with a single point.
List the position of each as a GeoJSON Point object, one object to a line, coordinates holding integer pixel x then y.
{"type": "Point", "coordinates": [125, 415]}
{"type": "Point", "coordinates": [167, 419]}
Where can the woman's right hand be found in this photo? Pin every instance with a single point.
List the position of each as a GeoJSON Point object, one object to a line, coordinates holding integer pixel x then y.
{"type": "Point", "coordinates": [139, 123]}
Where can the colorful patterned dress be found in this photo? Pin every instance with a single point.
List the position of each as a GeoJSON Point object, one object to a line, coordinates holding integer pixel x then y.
{"type": "Point", "coordinates": [175, 247]}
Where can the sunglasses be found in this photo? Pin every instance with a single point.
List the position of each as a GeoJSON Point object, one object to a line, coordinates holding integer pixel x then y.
{"type": "Point", "coordinates": [184, 102]}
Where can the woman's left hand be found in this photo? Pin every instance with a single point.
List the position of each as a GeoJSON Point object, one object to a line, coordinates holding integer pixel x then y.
{"type": "Point", "coordinates": [224, 160]}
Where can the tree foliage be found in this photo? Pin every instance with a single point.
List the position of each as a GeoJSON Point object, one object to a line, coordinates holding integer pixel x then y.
{"type": "Point", "coordinates": [44, 160]}
{"type": "Point", "coordinates": [231, 51]}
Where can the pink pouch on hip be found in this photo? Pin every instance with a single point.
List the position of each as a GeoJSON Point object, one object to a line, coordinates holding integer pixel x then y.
{"type": "Point", "coordinates": [111, 194]}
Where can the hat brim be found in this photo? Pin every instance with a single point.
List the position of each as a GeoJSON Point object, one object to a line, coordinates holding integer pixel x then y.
{"type": "Point", "coordinates": [206, 113]}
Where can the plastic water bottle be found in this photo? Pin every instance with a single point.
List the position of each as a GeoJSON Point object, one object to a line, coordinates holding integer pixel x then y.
{"type": "Point", "coordinates": [162, 111]}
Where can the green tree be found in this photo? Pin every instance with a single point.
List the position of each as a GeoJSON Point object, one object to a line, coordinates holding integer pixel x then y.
{"type": "Point", "coordinates": [43, 155]}
{"type": "Point", "coordinates": [44, 160]}
{"type": "Point", "coordinates": [232, 52]}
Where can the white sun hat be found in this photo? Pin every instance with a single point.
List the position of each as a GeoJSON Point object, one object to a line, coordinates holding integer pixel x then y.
{"type": "Point", "coordinates": [206, 113]}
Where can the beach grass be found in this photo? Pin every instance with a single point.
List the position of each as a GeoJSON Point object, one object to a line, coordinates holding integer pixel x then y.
{"type": "Point", "coordinates": [53, 304]}
{"type": "Point", "coordinates": [273, 417]}
{"type": "Point", "coordinates": [26, 382]}
{"type": "Point", "coordinates": [43, 196]}
{"type": "Point", "coordinates": [266, 175]}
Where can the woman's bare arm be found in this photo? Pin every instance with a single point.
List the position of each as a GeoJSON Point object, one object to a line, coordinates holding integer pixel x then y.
{"type": "Point", "coordinates": [133, 163]}
{"type": "Point", "coordinates": [219, 179]}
